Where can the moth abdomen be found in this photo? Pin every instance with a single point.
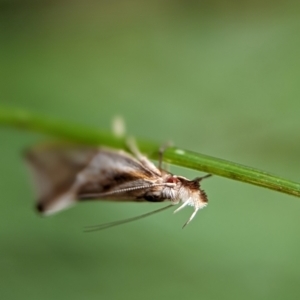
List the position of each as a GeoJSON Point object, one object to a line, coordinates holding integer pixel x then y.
{"type": "Point", "coordinates": [40, 208]}
{"type": "Point", "coordinates": [50, 205]}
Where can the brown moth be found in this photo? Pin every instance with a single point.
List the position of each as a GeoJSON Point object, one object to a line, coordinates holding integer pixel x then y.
{"type": "Point", "coordinates": [66, 174]}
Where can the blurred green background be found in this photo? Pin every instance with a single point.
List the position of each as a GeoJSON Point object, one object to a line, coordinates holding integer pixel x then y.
{"type": "Point", "coordinates": [221, 78]}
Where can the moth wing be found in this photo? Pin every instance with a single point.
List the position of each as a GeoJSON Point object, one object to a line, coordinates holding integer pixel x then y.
{"type": "Point", "coordinates": [115, 175]}
{"type": "Point", "coordinates": [54, 168]}
{"type": "Point", "coordinates": [63, 174]}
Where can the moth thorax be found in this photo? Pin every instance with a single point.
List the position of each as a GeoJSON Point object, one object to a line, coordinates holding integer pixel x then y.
{"type": "Point", "coordinates": [170, 193]}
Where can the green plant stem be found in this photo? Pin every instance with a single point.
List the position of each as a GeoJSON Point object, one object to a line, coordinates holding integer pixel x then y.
{"type": "Point", "coordinates": [82, 134]}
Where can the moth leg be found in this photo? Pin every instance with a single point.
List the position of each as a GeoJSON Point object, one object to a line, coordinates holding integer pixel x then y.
{"type": "Point", "coordinates": [161, 152]}
{"type": "Point", "coordinates": [118, 126]}
{"type": "Point", "coordinates": [133, 148]}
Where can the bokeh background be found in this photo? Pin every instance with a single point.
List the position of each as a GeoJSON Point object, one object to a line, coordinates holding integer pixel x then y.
{"type": "Point", "coordinates": [217, 77]}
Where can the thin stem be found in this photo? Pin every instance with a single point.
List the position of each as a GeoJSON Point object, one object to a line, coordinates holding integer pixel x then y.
{"type": "Point", "coordinates": [82, 134]}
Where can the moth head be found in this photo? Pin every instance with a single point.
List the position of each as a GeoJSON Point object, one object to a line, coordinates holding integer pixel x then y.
{"type": "Point", "coordinates": [198, 197]}
{"type": "Point", "coordinates": [189, 190]}
{"type": "Point", "coordinates": [192, 195]}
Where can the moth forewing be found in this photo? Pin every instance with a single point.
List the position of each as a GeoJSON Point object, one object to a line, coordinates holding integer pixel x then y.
{"type": "Point", "coordinates": [54, 168]}
{"type": "Point", "coordinates": [115, 175]}
{"type": "Point", "coordinates": [65, 174]}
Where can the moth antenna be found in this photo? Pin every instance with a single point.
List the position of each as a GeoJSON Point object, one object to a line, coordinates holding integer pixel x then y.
{"type": "Point", "coordinates": [124, 221]}
{"type": "Point", "coordinates": [95, 195]}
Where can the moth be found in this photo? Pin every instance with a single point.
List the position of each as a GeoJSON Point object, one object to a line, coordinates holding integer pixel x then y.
{"type": "Point", "coordinates": [64, 174]}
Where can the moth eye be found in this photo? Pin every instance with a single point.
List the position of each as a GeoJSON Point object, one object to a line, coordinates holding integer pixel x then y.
{"type": "Point", "coordinates": [172, 180]}
{"type": "Point", "coordinates": [153, 198]}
